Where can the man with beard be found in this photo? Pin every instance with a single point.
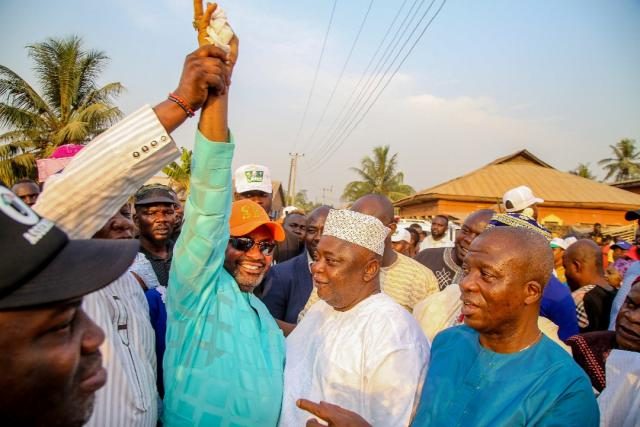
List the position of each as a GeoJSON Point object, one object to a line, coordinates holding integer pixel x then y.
{"type": "Point", "coordinates": [446, 263]}
{"type": "Point", "coordinates": [50, 362]}
{"type": "Point", "coordinates": [155, 218]}
{"type": "Point", "coordinates": [289, 284]}
{"type": "Point", "coordinates": [224, 357]}
{"type": "Point", "coordinates": [438, 236]}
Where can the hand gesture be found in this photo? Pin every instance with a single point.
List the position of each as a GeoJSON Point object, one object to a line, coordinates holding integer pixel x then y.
{"type": "Point", "coordinates": [204, 73]}
{"type": "Point", "coordinates": [333, 414]}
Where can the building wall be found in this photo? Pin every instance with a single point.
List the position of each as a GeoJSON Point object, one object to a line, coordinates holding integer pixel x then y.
{"type": "Point", "coordinates": [562, 216]}
{"type": "Point", "coordinates": [458, 210]}
{"type": "Point", "coordinates": [571, 216]}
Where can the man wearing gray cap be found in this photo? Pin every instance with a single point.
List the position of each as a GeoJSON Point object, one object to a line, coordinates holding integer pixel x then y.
{"type": "Point", "coordinates": [356, 348]}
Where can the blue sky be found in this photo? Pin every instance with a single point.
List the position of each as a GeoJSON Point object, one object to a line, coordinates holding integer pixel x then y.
{"type": "Point", "coordinates": [488, 78]}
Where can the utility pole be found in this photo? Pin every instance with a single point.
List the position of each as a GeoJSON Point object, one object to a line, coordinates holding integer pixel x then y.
{"type": "Point", "coordinates": [293, 168]}
{"type": "Point", "coordinates": [324, 191]}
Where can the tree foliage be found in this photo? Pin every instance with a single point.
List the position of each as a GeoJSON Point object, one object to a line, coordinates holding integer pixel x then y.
{"type": "Point", "coordinates": [378, 175]}
{"type": "Point", "coordinates": [70, 107]}
{"type": "Point", "coordinates": [180, 173]}
{"type": "Point", "coordinates": [626, 161]}
{"type": "Point", "coordinates": [583, 171]}
{"type": "Point", "coordinates": [301, 201]}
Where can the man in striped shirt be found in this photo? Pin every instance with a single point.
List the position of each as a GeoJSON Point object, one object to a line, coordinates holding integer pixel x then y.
{"type": "Point", "coordinates": [117, 163]}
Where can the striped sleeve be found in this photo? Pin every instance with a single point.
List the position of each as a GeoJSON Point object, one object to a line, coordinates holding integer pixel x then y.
{"type": "Point", "coordinates": [101, 177]}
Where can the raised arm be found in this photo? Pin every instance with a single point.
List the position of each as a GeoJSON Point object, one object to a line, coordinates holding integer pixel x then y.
{"type": "Point", "coordinates": [200, 250]}
{"type": "Point", "coordinates": [99, 180]}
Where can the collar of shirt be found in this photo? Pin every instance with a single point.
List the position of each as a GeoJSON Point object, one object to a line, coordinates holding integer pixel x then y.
{"type": "Point", "coordinates": [309, 260]}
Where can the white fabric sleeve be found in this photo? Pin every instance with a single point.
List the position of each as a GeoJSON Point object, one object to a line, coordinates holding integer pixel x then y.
{"type": "Point", "coordinates": [101, 177]}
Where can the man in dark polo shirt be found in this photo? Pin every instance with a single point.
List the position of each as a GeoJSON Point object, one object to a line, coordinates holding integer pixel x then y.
{"type": "Point", "coordinates": [155, 220]}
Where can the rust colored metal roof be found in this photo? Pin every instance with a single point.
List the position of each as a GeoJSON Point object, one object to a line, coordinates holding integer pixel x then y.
{"type": "Point", "coordinates": [557, 188]}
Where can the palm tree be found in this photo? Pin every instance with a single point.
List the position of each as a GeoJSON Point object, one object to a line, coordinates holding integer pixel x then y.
{"type": "Point", "coordinates": [69, 109]}
{"type": "Point", "coordinates": [626, 163]}
{"type": "Point", "coordinates": [379, 176]}
{"type": "Point", "coordinates": [583, 171]}
{"type": "Point", "coordinates": [179, 173]}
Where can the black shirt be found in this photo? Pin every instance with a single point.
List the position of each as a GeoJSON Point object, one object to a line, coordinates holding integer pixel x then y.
{"type": "Point", "coordinates": [160, 266]}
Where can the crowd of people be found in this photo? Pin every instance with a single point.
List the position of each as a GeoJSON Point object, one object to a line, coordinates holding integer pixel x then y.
{"type": "Point", "coordinates": [123, 305]}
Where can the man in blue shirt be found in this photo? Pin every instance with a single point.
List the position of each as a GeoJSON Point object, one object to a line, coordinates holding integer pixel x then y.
{"type": "Point", "coordinates": [289, 284]}
{"type": "Point", "coordinates": [499, 369]}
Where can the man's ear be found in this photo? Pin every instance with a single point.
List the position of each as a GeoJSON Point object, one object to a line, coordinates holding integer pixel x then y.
{"type": "Point", "coordinates": [371, 269]}
{"type": "Point", "coordinates": [532, 292]}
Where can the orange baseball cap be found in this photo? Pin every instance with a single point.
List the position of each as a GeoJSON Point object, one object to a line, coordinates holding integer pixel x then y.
{"type": "Point", "coordinates": [247, 215]}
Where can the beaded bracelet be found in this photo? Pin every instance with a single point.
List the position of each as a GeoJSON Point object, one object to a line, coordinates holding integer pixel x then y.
{"type": "Point", "coordinates": [182, 103]}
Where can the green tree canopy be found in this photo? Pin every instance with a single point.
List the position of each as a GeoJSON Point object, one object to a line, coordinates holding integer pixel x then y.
{"type": "Point", "coordinates": [626, 161]}
{"type": "Point", "coordinates": [70, 107]}
{"type": "Point", "coordinates": [379, 176]}
{"type": "Point", "coordinates": [583, 170]}
{"type": "Point", "coordinates": [179, 173]}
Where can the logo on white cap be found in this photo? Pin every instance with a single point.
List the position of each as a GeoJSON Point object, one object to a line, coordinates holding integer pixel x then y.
{"type": "Point", "coordinates": [253, 178]}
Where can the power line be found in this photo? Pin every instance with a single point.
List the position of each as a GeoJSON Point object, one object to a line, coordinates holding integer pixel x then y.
{"type": "Point", "coordinates": [344, 67]}
{"type": "Point", "coordinates": [315, 76]}
{"type": "Point", "coordinates": [376, 77]}
{"type": "Point", "coordinates": [343, 118]}
{"type": "Point", "coordinates": [337, 144]}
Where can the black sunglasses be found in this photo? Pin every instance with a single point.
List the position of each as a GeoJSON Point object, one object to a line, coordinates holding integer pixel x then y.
{"type": "Point", "coordinates": [245, 244]}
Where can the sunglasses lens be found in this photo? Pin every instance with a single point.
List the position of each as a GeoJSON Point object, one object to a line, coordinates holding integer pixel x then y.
{"type": "Point", "coordinates": [267, 247]}
{"type": "Point", "coordinates": [245, 244]}
{"type": "Point", "coordinates": [241, 243]}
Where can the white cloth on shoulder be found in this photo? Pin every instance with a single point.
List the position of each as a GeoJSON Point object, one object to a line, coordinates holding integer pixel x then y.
{"type": "Point", "coordinates": [619, 402]}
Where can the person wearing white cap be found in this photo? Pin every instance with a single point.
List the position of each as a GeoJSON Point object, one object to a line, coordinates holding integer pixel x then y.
{"type": "Point", "coordinates": [355, 348]}
{"type": "Point", "coordinates": [521, 200]}
{"type": "Point", "coordinates": [401, 240]}
{"type": "Point", "coordinates": [254, 182]}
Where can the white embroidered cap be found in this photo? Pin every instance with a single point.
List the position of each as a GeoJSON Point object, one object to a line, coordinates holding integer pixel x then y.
{"type": "Point", "coordinates": [357, 228]}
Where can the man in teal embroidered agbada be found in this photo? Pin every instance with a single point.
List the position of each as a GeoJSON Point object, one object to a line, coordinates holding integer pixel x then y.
{"type": "Point", "coordinates": [224, 356]}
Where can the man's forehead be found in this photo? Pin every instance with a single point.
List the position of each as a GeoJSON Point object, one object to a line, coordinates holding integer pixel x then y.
{"type": "Point", "coordinates": [493, 247]}
{"type": "Point", "coordinates": [26, 187]}
{"type": "Point", "coordinates": [41, 312]}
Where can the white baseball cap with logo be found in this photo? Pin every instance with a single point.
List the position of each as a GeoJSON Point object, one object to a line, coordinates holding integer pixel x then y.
{"type": "Point", "coordinates": [519, 198]}
{"type": "Point", "coordinates": [253, 178]}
